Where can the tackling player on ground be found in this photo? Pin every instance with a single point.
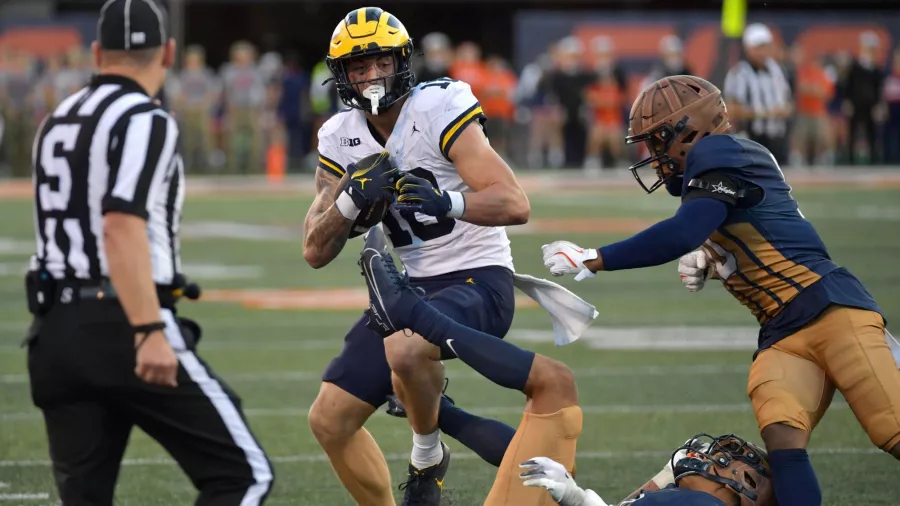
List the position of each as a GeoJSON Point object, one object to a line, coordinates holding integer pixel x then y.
{"type": "Point", "coordinates": [454, 195]}
{"type": "Point", "coordinates": [820, 328]}
{"type": "Point", "coordinates": [704, 471]}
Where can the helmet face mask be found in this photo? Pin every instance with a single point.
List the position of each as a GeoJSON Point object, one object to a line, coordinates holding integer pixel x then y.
{"type": "Point", "coordinates": [727, 467]}
{"type": "Point", "coordinates": [658, 142]}
{"type": "Point", "coordinates": [365, 37]}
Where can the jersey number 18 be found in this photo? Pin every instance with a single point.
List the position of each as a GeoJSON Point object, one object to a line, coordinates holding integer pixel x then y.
{"type": "Point", "coordinates": [436, 227]}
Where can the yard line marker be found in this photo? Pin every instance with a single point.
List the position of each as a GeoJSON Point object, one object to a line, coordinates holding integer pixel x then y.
{"type": "Point", "coordinates": [608, 409]}
{"type": "Point", "coordinates": [395, 457]}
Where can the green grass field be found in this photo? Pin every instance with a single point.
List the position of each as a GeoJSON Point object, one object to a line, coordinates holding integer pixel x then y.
{"type": "Point", "coordinates": [639, 404]}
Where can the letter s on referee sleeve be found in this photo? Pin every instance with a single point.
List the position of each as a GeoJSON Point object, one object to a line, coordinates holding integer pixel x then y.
{"type": "Point", "coordinates": [148, 147]}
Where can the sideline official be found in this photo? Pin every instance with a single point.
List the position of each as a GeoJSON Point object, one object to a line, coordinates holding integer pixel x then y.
{"type": "Point", "coordinates": [106, 351]}
{"type": "Point", "coordinates": [758, 94]}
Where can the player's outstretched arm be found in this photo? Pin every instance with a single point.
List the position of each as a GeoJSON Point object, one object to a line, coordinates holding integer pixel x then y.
{"type": "Point", "coordinates": [496, 198]}
{"type": "Point", "coordinates": [663, 242]}
{"type": "Point", "coordinates": [325, 230]}
{"type": "Point", "coordinates": [547, 473]}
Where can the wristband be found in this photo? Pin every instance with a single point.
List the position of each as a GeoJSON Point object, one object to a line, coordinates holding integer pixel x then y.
{"type": "Point", "coordinates": [147, 329]}
{"type": "Point", "coordinates": [457, 205]}
{"type": "Point", "coordinates": [346, 206]}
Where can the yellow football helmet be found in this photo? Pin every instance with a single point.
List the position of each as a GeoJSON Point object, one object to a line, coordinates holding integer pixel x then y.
{"type": "Point", "coordinates": [366, 32]}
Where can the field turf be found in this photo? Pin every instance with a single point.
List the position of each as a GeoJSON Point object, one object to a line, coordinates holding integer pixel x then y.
{"type": "Point", "coordinates": [272, 323]}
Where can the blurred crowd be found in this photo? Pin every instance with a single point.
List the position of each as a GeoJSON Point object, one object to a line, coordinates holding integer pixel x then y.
{"type": "Point", "coordinates": [568, 108]}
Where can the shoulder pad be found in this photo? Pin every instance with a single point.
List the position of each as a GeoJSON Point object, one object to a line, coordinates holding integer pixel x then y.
{"type": "Point", "coordinates": [334, 124]}
{"type": "Point", "coordinates": [715, 152]}
{"type": "Point", "coordinates": [736, 156]}
{"type": "Point", "coordinates": [435, 97]}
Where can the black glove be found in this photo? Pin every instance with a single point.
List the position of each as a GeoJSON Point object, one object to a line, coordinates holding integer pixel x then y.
{"type": "Point", "coordinates": [371, 179]}
{"type": "Point", "coordinates": [420, 196]}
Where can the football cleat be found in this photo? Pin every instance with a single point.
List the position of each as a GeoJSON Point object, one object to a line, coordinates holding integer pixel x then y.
{"type": "Point", "coordinates": [424, 486]}
{"type": "Point", "coordinates": [391, 299]}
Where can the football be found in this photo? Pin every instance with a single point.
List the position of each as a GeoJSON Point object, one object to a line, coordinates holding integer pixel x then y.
{"type": "Point", "coordinates": [369, 216]}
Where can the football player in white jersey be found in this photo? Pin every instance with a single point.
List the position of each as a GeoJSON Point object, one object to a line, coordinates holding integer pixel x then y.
{"type": "Point", "coordinates": [453, 199]}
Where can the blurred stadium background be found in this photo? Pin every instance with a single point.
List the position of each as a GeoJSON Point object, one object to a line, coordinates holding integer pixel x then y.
{"type": "Point", "coordinates": [556, 79]}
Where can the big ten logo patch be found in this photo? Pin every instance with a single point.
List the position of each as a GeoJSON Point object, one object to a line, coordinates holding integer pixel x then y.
{"type": "Point", "coordinates": [347, 141]}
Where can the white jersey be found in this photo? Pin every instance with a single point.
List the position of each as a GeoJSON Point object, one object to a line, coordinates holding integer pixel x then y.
{"type": "Point", "coordinates": [430, 121]}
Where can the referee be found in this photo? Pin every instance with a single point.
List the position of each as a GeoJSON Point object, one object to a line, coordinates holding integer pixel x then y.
{"type": "Point", "coordinates": [757, 93]}
{"type": "Point", "coordinates": [106, 351]}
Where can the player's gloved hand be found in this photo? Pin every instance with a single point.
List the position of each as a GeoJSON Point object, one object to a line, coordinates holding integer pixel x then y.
{"type": "Point", "coordinates": [694, 270]}
{"type": "Point", "coordinates": [666, 477]}
{"type": "Point", "coordinates": [549, 474]}
{"type": "Point", "coordinates": [368, 184]}
{"type": "Point", "coordinates": [564, 257]}
{"type": "Point", "coordinates": [418, 195]}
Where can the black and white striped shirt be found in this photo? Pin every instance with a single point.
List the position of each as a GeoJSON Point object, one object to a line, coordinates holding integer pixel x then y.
{"type": "Point", "coordinates": [760, 90]}
{"type": "Point", "coordinates": [106, 148]}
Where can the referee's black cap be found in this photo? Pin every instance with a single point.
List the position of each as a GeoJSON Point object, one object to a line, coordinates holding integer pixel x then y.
{"type": "Point", "coordinates": [132, 25]}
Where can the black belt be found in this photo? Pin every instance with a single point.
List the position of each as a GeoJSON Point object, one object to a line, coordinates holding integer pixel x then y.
{"type": "Point", "coordinates": [168, 295]}
{"type": "Point", "coordinates": [43, 291]}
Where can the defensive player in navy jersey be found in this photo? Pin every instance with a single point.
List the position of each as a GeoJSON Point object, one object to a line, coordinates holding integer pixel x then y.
{"type": "Point", "coordinates": [820, 328]}
{"type": "Point", "coordinates": [704, 471]}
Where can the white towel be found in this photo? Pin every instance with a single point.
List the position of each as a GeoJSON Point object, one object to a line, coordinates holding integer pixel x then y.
{"type": "Point", "coordinates": [894, 345]}
{"type": "Point", "coordinates": [571, 314]}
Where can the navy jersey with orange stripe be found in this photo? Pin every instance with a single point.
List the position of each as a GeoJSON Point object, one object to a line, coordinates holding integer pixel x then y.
{"type": "Point", "coordinates": [767, 254]}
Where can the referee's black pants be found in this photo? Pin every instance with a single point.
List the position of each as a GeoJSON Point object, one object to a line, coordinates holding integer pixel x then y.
{"type": "Point", "coordinates": [81, 365]}
{"type": "Point", "coordinates": [777, 145]}
{"type": "Point", "coordinates": [863, 121]}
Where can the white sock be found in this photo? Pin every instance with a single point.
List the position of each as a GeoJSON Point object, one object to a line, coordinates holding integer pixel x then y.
{"type": "Point", "coordinates": [427, 450]}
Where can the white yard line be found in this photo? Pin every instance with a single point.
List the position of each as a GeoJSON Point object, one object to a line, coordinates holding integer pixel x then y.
{"type": "Point", "coordinates": [603, 409]}
{"type": "Point", "coordinates": [27, 496]}
{"type": "Point", "coordinates": [609, 371]}
{"type": "Point", "coordinates": [656, 338]}
{"type": "Point", "coordinates": [461, 455]}
{"type": "Point", "coordinates": [660, 338]}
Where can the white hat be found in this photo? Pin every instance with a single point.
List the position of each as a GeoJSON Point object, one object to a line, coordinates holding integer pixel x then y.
{"type": "Point", "coordinates": [757, 34]}
{"type": "Point", "coordinates": [435, 41]}
{"type": "Point", "coordinates": [602, 44]}
{"type": "Point", "coordinates": [570, 44]}
{"type": "Point", "coordinates": [869, 39]}
{"type": "Point", "coordinates": [670, 43]}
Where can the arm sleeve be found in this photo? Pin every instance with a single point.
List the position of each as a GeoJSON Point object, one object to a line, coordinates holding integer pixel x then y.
{"type": "Point", "coordinates": [147, 155]}
{"type": "Point", "coordinates": [668, 240]}
{"type": "Point", "coordinates": [713, 185]}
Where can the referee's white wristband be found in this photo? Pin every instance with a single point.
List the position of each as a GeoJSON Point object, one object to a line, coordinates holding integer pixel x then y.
{"type": "Point", "coordinates": [457, 205]}
{"type": "Point", "coordinates": [346, 206]}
